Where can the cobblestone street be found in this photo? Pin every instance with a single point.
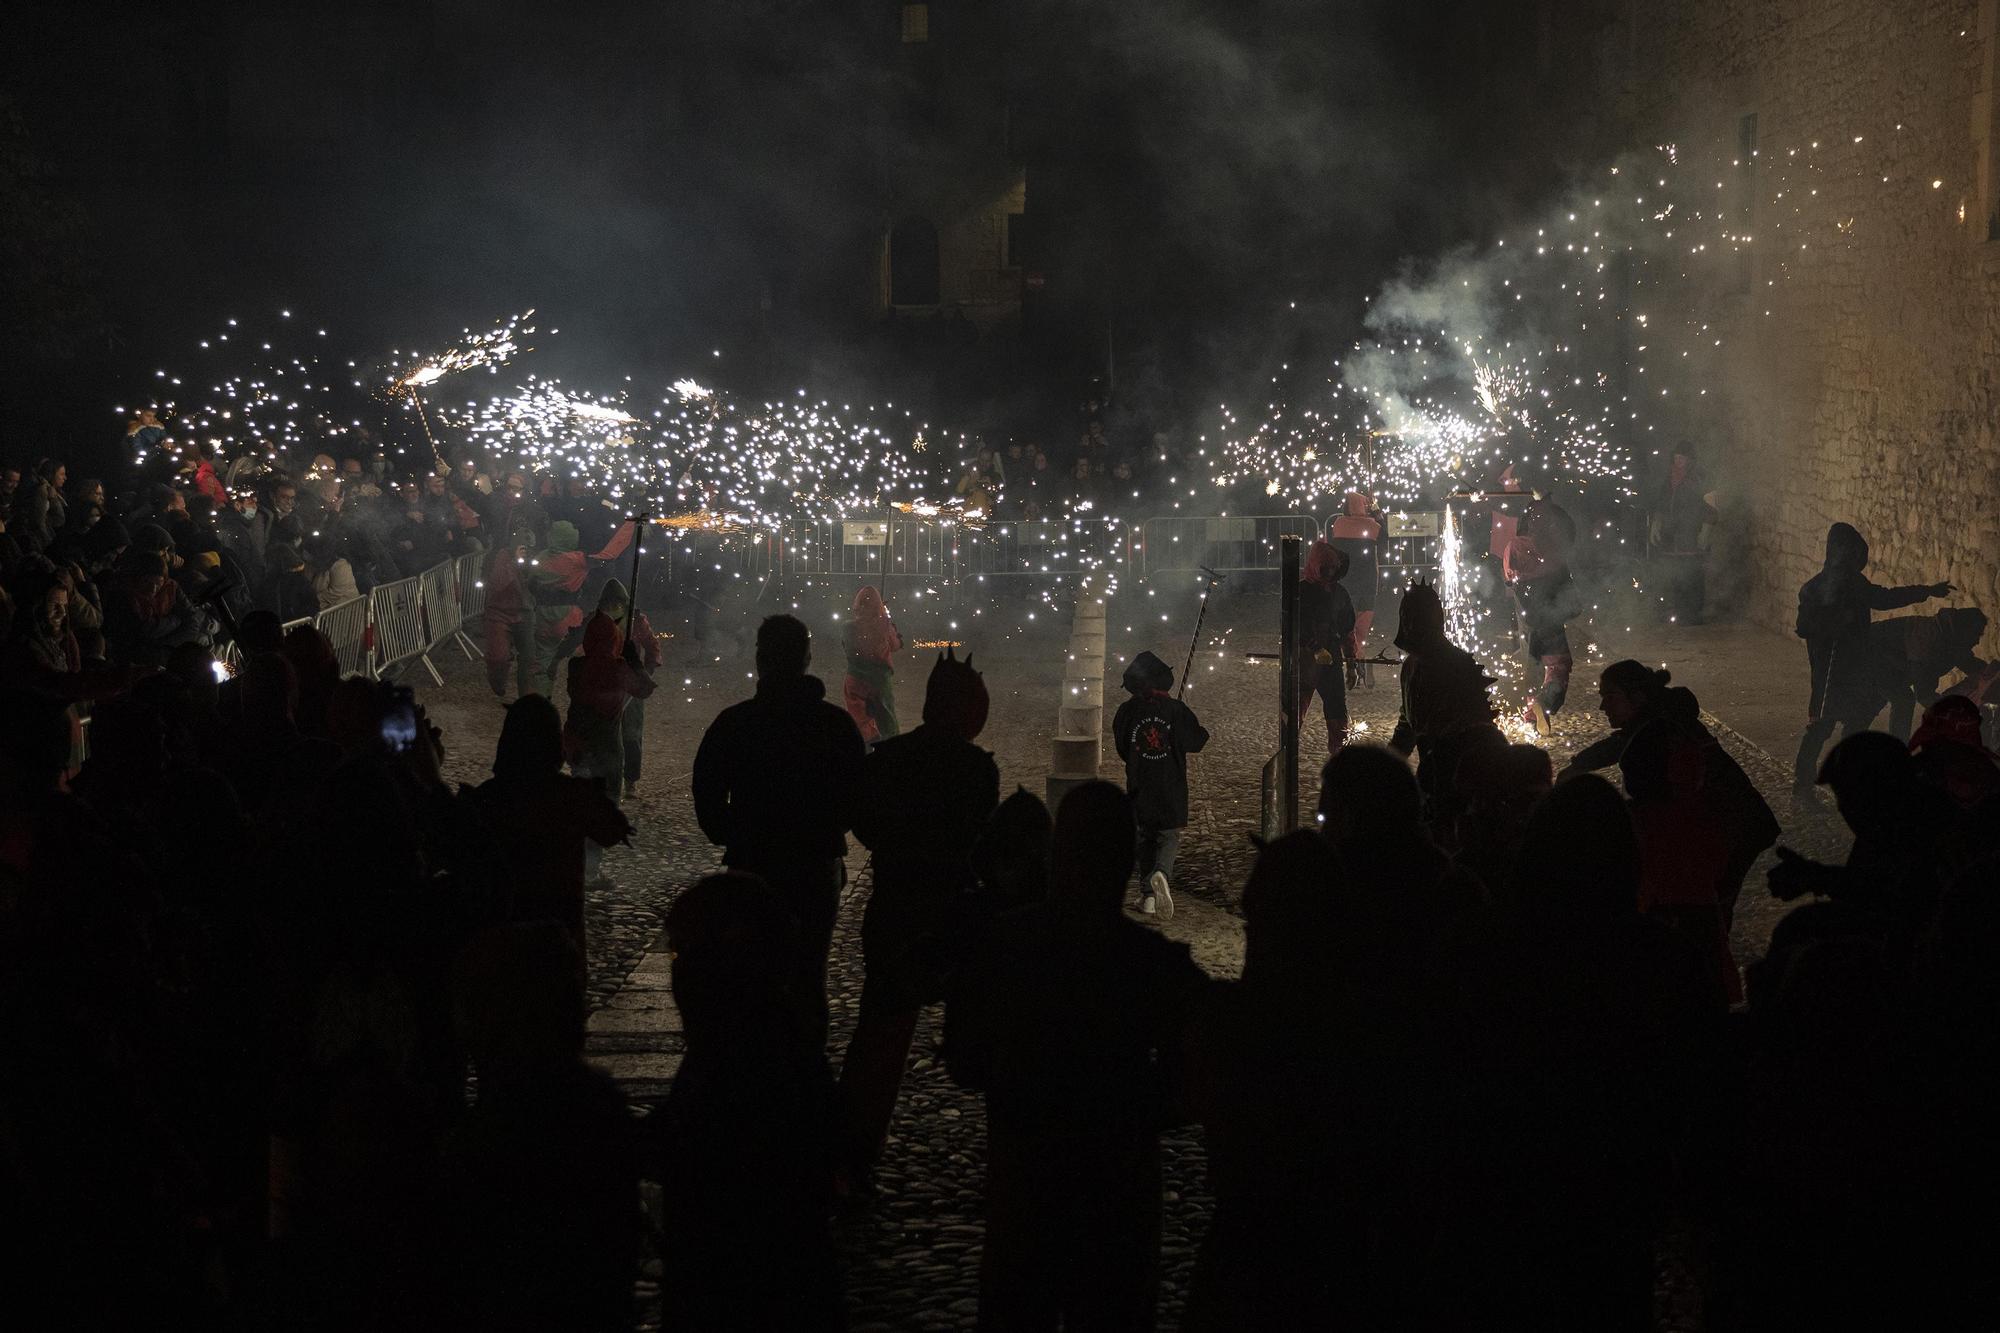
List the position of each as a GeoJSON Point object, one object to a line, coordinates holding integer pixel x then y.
{"type": "Point", "coordinates": [913, 1260]}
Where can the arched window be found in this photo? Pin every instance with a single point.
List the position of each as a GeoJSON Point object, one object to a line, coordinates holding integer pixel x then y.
{"type": "Point", "coordinates": [913, 263]}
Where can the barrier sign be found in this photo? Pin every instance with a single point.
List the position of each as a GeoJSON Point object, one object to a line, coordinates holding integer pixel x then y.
{"type": "Point", "coordinates": [864, 534]}
{"type": "Point", "coordinates": [1426, 523]}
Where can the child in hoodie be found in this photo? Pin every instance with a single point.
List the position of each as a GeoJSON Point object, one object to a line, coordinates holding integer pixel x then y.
{"type": "Point", "coordinates": [1155, 733]}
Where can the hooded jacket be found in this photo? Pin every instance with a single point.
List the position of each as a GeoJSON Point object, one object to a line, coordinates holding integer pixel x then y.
{"type": "Point", "coordinates": [1444, 687]}
{"type": "Point", "coordinates": [1326, 612]}
{"type": "Point", "coordinates": [776, 775]}
{"type": "Point", "coordinates": [1835, 604]}
{"type": "Point", "coordinates": [1155, 733]}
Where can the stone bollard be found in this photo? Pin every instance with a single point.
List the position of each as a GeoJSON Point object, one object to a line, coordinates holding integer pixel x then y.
{"type": "Point", "coordinates": [1077, 748]}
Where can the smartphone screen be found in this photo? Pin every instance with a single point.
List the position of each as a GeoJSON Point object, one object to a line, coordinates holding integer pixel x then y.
{"type": "Point", "coordinates": [399, 720]}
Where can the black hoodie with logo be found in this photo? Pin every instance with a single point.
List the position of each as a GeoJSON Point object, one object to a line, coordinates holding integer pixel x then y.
{"type": "Point", "coordinates": [1155, 733]}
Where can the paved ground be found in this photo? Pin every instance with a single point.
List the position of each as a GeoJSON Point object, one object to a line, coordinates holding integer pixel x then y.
{"type": "Point", "coordinates": [912, 1262]}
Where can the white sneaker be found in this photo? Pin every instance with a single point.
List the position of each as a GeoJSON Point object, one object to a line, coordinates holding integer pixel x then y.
{"type": "Point", "coordinates": [1157, 887]}
{"type": "Point", "coordinates": [1146, 905]}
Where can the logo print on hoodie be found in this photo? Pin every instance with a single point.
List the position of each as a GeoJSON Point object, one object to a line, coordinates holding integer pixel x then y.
{"type": "Point", "coordinates": [1152, 738]}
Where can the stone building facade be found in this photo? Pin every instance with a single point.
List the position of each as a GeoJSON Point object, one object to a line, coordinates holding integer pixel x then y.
{"type": "Point", "coordinates": [1863, 372]}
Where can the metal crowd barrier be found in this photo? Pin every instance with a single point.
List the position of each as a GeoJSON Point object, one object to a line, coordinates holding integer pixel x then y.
{"type": "Point", "coordinates": [444, 614]}
{"type": "Point", "coordinates": [1229, 544]}
{"type": "Point", "coordinates": [397, 610]}
{"type": "Point", "coordinates": [895, 546]}
{"type": "Point", "coordinates": [346, 628]}
{"type": "Point", "coordinates": [471, 586]}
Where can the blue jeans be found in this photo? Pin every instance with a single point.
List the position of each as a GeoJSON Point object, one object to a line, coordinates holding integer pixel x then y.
{"type": "Point", "coordinates": [1157, 847]}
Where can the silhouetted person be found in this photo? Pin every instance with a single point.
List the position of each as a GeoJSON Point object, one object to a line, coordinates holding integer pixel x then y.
{"type": "Point", "coordinates": [542, 1178]}
{"type": "Point", "coordinates": [744, 1145]}
{"type": "Point", "coordinates": [1629, 694]}
{"type": "Point", "coordinates": [774, 784]}
{"type": "Point", "coordinates": [1683, 847]}
{"type": "Point", "coordinates": [1325, 639]}
{"type": "Point", "coordinates": [1677, 522]}
{"type": "Point", "coordinates": [1536, 565]}
{"type": "Point", "coordinates": [1010, 858]}
{"type": "Point", "coordinates": [603, 683]}
{"type": "Point", "coordinates": [1952, 757]}
{"type": "Point", "coordinates": [925, 798]}
{"type": "Point", "coordinates": [1905, 660]}
{"type": "Point", "coordinates": [539, 821]}
{"type": "Point", "coordinates": [316, 670]}
{"type": "Point", "coordinates": [869, 688]}
{"type": "Point", "coordinates": [1154, 734]}
{"type": "Point", "coordinates": [1445, 699]}
{"type": "Point", "coordinates": [1372, 811]}
{"type": "Point", "coordinates": [1071, 1021]}
{"type": "Point", "coordinates": [1501, 786]}
{"type": "Point", "coordinates": [1313, 1097]}
{"type": "Point", "coordinates": [1889, 884]}
{"type": "Point", "coordinates": [1356, 532]}
{"type": "Point", "coordinates": [1010, 864]}
{"type": "Point", "coordinates": [292, 593]}
{"type": "Point", "coordinates": [1633, 696]}
{"type": "Point", "coordinates": [1834, 609]}
{"type": "Point", "coordinates": [1579, 1035]}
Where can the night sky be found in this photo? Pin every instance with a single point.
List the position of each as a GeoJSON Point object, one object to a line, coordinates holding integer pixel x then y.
{"type": "Point", "coordinates": [665, 181]}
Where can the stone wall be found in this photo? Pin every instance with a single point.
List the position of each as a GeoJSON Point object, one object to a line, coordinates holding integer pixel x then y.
{"type": "Point", "coordinates": [1861, 380]}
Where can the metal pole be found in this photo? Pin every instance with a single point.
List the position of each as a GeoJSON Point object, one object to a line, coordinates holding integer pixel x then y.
{"type": "Point", "coordinates": [1213, 579]}
{"type": "Point", "coordinates": [1288, 683]}
{"type": "Point", "coordinates": [632, 593]}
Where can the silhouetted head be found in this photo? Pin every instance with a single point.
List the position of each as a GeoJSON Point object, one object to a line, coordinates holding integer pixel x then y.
{"type": "Point", "coordinates": [530, 740]}
{"type": "Point", "coordinates": [784, 647]}
{"type": "Point", "coordinates": [1291, 911]}
{"type": "Point", "coordinates": [1954, 719]}
{"type": "Point", "coordinates": [1325, 563]}
{"type": "Point", "coordinates": [312, 657]}
{"type": "Point", "coordinates": [1846, 549]}
{"type": "Point", "coordinates": [1367, 795]}
{"type": "Point", "coordinates": [614, 600]}
{"type": "Point", "coordinates": [1628, 690]}
{"type": "Point", "coordinates": [955, 697]}
{"type": "Point", "coordinates": [1505, 779]}
{"type": "Point", "coordinates": [731, 942]}
{"type": "Point", "coordinates": [1147, 674]}
{"type": "Point", "coordinates": [260, 632]}
{"type": "Point", "coordinates": [103, 543]}
{"type": "Point", "coordinates": [1420, 618]}
{"type": "Point", "coordinates": [1011, 854]}
{"type": "Point", "coordinates": [1872, 776]}
{"type": "Point", "coordinates": [1579, 857]}
{"type": "Point", "coordinates": [1091, 849]}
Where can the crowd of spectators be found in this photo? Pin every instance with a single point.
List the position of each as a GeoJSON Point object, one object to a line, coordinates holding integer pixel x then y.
{"type": "Point", "coordinates": [1098, 475]}
{"type": "Point", "coordinates": [1486, 1050]}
